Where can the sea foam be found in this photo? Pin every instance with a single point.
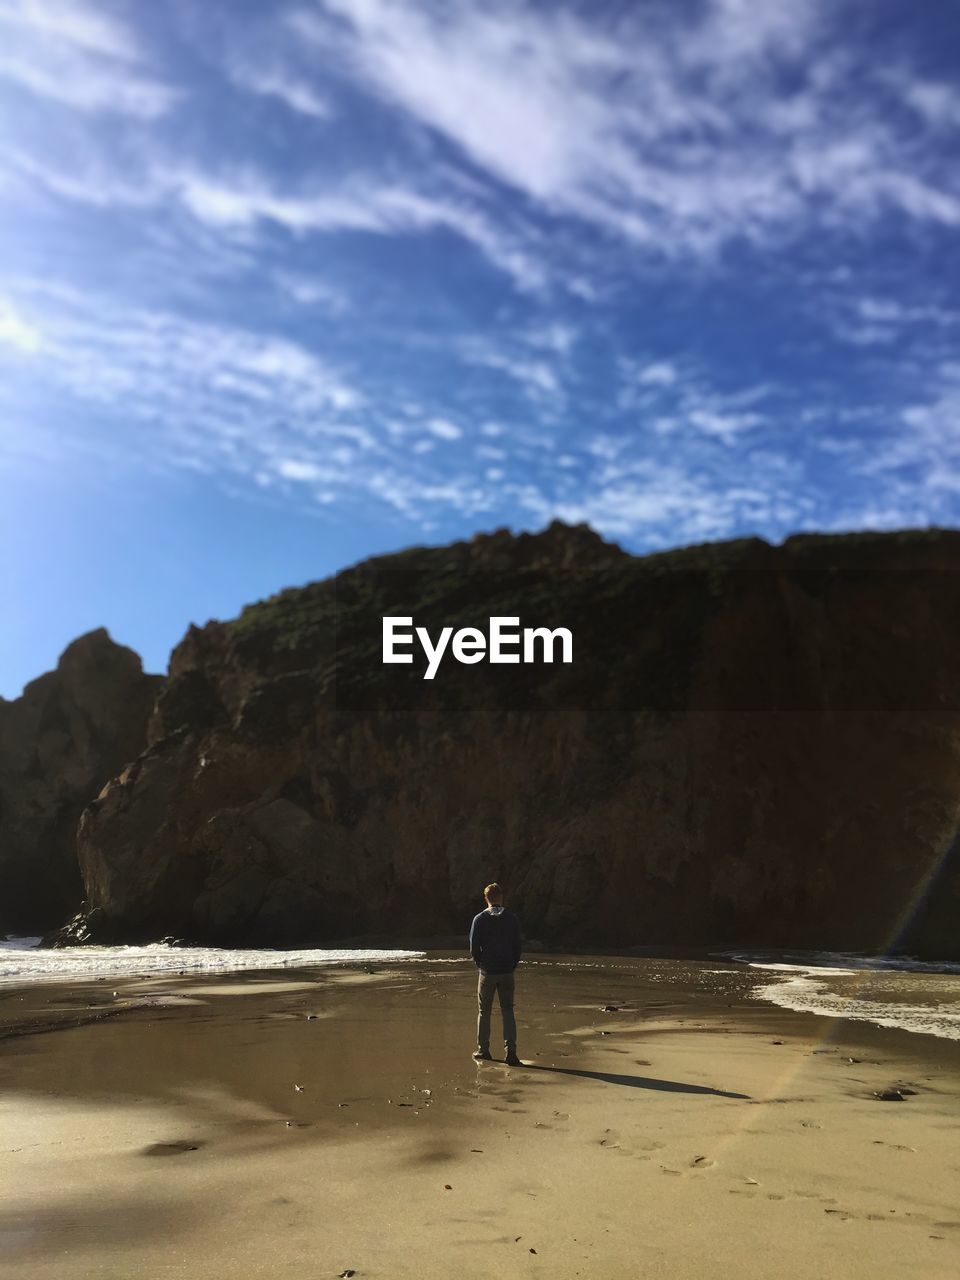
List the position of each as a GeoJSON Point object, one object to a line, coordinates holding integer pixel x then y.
{"type": "Point", "coordinates": [24, 960]}
{"type": "Point", "coordinates": [884, 990]}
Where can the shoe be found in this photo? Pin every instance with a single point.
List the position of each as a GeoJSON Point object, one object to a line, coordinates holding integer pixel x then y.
{"type": "Point", "coordinates": [512, 1060]}
{"type": "Point", "coordinates": [481, 1056]}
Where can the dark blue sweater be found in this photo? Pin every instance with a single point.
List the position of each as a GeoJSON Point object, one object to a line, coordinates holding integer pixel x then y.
{"type": "Point", "coordinates": [495, 942]}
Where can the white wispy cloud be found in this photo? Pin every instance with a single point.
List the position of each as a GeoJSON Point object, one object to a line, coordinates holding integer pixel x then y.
{"type": "Point", "coordinates": [680, 138]}
{"type": "Point", "coordinates": [88, 181]}
{"type": "Point", "coordinates": [661, 503]}
{"type": "Point", "coordinates": [909, 459]}
{"type": "Point", "coordinates": [578, 157]}
{"type": "Point", "coordinates": [76, 23]}
{"type": "Point", "coordinates": [877, 321]}
{"type": "Point", "coordinates": [79, 55]}
{"type": "Point", "coordinates": [311, 291]}
{"type": "Point", "coordinates": [253, 411]}
{"type": "Point", "coordinates": [258, 410]}
{"type": "Point", "coordinates": [16, 331]}
{"type": "Point", "coordinates": [299, 470]}
{"type": "Point", "coordinates": [675, 401]}
{"type": "Point", "coordinates": [933, 101]}
{"type": "Point", "coordinates": [894, 311]}
{"type": "Point", "coordinates": [659, 374]}
{"type": "Point", "coordinates": [724, 426]}
{"type": "Point", "coordinates": [538, 377]}
{"type": "Point", "coordinates": [359, 204]}
{"type": "Point", "coordinates": [164, 366]}
{"type": "Point", "coordinates": [555, 337]}
{"type": "Point", "coordinates": [444, 429]}
{"type": "Point", "coordinates": [281, 83]}
{"type": "Point", "coordinates": [934, 424]}
{"type": "Point", "coordinates": [677, 136]}
{"type": "Point", "coordinates": [242, 202]}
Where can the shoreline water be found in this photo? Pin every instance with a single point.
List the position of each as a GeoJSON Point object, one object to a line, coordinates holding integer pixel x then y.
{"type": "Point", "coordinates": [913, 995]}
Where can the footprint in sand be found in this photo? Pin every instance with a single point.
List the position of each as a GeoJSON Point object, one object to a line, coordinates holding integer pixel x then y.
{"type": "Point", "coordinates": [698, 1162]}
{"type": "Point", "coordinates": [170, 1148]}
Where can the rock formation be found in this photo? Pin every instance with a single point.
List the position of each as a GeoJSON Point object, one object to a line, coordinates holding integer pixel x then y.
{"type": "Point", "coordinates": [71, 731]}
{"type": "Point", "coordinates": [755, 746]}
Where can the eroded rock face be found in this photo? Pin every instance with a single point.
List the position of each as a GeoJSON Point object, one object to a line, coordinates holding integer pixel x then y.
{"type": "Point", "coordinates": [755, 745]}
{"type": "Point", "coordinates": [60, 742]}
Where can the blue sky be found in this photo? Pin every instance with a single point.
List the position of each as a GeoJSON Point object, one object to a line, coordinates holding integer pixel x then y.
{"type": "Point", "coordinates": [285, 285]}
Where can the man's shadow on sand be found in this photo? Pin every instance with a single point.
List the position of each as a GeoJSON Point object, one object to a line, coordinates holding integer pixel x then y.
{"type": "Point", "coordinates": [637, 1082]}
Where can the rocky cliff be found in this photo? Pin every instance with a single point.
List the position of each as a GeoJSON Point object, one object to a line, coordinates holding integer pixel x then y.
{"type": "Point", "coordinates": [754, 745]}
{"type": "Point", "coordinates": [71, 731]}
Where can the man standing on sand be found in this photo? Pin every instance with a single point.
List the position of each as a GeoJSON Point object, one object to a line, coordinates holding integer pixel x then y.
{"type": "Point", "coordinates": [496, 946]}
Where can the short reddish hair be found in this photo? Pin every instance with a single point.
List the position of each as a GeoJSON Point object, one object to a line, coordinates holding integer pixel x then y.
{"type": "Point", "coordinates": [493, 891]}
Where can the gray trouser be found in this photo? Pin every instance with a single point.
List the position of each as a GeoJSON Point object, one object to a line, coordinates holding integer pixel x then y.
{"type": "Point", "coordinates": [502, 984]}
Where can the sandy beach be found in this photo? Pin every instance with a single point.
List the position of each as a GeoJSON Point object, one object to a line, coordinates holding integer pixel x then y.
{"type": "Point", "coordinates": [311, 1123]}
